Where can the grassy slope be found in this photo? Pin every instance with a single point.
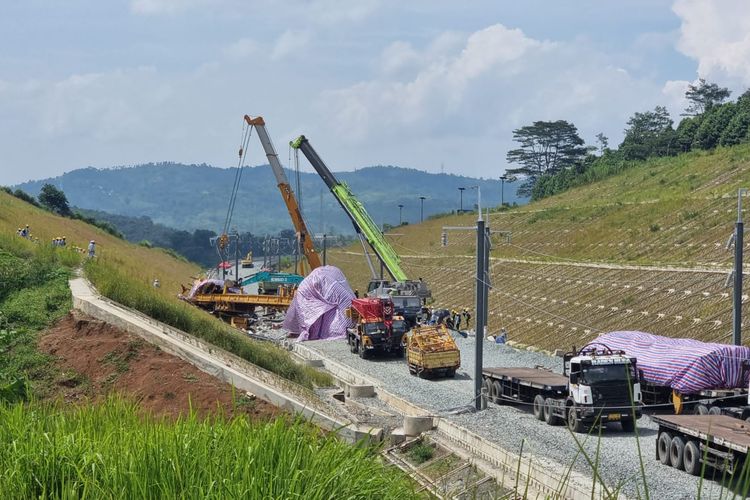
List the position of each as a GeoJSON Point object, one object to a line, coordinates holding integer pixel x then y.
{"type": "Point", "coordinates": [137, 261]}
{"type": "Point", "coordinates": [124, 272]}
{"type": "Point", "coordinates": [672, 211]}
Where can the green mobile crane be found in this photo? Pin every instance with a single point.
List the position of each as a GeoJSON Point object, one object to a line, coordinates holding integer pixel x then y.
{"type": "Point", "coordinates": [407, 294]}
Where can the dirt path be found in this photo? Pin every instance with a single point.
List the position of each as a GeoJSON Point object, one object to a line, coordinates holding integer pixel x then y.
{"type": "Point", "coordinates": [96, 359]}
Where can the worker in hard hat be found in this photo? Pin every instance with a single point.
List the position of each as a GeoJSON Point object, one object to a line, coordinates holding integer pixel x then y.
{"type": "Point", "coordinates": [92, 248]}
{"type": "Point", "coordinates": [63, 243]}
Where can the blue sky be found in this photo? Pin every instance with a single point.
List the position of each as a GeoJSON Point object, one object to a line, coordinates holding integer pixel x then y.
{"type": "Point", "coordinates": [419, 83]}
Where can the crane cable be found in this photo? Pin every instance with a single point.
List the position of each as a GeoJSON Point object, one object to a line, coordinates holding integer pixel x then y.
{"type": "Point", "coordinates": [246, 133]}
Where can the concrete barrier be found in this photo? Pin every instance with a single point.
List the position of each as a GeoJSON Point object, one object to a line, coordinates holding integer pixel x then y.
{"type": "Point", "coordinates": [414, 426]}
{"type": "Point", "coordinates": [218, 363]}
{"type": "Point", "coordinates": [359, 391]}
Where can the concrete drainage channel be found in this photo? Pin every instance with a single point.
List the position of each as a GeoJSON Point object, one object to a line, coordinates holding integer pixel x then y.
{"type": "Point", "coordinates": [483, 464]}
{"type": "Point", "coordinates": [220, 364]}
{"type": "Point", "coordinates": [532, 476]}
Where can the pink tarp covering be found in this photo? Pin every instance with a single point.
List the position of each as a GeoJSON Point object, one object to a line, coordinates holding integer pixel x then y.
{"type": "Point", "coordinates": [684, 364]}
{"type": "Point", "coordinates": [317, 310]}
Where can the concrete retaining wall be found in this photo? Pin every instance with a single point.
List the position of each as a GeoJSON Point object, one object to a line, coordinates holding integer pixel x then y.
{"type": "Point", "coordinates": [217, 362]}
{"type": "Point", "coordinates": [546, 478]}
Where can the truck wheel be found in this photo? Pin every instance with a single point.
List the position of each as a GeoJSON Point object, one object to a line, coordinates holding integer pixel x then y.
{"type": "Point", "coordinates": [361, 350]}
{"type": "Point", "coordinates": [691, 458]}
{"type": "Point", "coordinates": [662, 447]}
{"type": "Point", "coordinates": [353, 346]}
{"type": "Point", "coordinates": [575, 424]}
{"type": "Point", "coordinates": [549, 417]}
{"type": "Point", "coordinates": [701, 410]}
{"type": "Point", "coordinates": [714, 410]}
{"type": "Point", "coordinates": [486, 387]}
{"type": "Point", "coordinates": [412, 370]}
{"type": "Point", "coordinates": [497, 391]}
{"type": "Point", "coordinates": [450, 373]}
{"type": "Point", "coordinates": [539, 407]}
{"type": "Point", "coordinates": [676, 452]}
{"type": "Point", "coordinates": [627, 424]}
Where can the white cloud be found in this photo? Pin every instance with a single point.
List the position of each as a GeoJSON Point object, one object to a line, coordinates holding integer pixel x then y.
{"type": "Point", "coordinates": [674, 92]}
{"type": "Point", "coordinates": [717, 35]}
{"type": "Point", "coordinates": [241, 49]}
{"type": "Point", "coordinates": [475, 94]}
{"type": "Point", "coordinates": [290, 42]}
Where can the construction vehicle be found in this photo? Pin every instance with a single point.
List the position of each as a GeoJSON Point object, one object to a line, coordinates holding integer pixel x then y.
{"type": "Point", "coordinates": [431, 350]}
{"type": "Point", "coordinates": [687, 375]}
{"type": "Point", "coordinates": [597, 385]}
{"type": "Point", "coordinates": [376, 328]}
{"type": "Point", "coordinates": [689, 442]}
{"type": "Point", "coordinates": [407, 294]}
{"type": "Point", "coordinates": [305, 240]}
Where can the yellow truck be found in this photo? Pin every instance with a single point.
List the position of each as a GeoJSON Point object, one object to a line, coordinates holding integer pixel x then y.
{"type": "Point", "coordinates": [430, 351]}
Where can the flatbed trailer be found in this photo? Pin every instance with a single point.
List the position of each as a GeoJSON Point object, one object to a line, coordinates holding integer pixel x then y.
{"type": "Point", "coordinates": [570, 399]}
{"type": "Point", "coordinates": [690, 442]}
{"type": "Point", "coordinates": [714, 401]}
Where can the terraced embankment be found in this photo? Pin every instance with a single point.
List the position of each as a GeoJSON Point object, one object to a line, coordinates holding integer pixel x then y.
{"type": "Point", "coordinates": [643, 250]}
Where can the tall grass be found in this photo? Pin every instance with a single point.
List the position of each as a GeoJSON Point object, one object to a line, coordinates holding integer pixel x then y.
{"type": "Point", "coordinates": [33, 294]}
{"type": "Point", "coordinates": [116, 285]}
{"type": "Point", "coordinates": [111, 451]}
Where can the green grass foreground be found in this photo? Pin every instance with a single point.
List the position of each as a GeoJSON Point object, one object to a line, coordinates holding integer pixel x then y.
{"type": "Point", "coordinates": [115, 284]}
{"type": "Point", "coordinates": [112, 451]}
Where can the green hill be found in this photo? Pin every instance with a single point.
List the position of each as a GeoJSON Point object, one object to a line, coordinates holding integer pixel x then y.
{"type": "Point", "coordinates": [191, 197]}
{"type": "Point", "coordinates": [642, 250]}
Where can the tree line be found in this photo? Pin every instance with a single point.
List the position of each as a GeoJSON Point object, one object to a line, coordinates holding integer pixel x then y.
{"type": "Point", "coordinates": [552, 157]}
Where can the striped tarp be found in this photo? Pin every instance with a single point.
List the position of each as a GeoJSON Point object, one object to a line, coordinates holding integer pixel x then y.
{"type": "Point", "coordinates": [317, 310]}
{"type": "Point", "coordinates": [686, 365]}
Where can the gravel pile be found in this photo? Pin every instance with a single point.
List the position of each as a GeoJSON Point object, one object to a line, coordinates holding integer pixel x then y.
{"type": "Point", "coordinates": [508, 426]}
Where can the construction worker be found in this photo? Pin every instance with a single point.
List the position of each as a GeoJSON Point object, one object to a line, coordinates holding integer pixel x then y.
{"type": "Point", "coordinates": [457, 320]}
{"type": "Point", "coordinates": [92, 248]}
{"type": "Point", "coordinates": [63, 243]}
{"type": "Point", "coordinates": [467, 316]}
{"type": "Point", "coordinates": [25, 231]}
{"type": "Point", "coordinates": [156, 283]}
{"type": "Point", "coordinates": [356, 293]}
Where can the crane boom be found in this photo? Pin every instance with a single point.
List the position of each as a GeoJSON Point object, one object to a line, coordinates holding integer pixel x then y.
{"type": "Point", "coordinates": [313, 259]}
{"type": "Point", "coordinates": [362, 221]}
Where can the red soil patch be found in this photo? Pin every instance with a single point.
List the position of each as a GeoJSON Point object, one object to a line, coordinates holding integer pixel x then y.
{"type": "Point", "coordinates": [96, 359]}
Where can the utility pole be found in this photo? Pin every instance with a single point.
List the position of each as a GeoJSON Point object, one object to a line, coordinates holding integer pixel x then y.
{"type": "Point", "coordinates": [421, 208]}
{"type": "Point", "coordinates": [737, 303]}
{"type": "Point", "coordinates": [482, 289]}
{"type": "Point", "coordinates": [324, 248]}
{"type": "Point", "coordinates": [480, 308]}
{"type": "Point", "coordinates": [503, 178]}
{"type": "Point", "coordinates": [237, 256]}
{"type": "Point", "coordinates": [400, 209]}
{"type": "Point", "coordinates": [461, 202]}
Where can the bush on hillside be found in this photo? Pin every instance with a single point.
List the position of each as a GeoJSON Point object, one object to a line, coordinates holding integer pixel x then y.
{"type": "Point", "coordinates": [712, 126]}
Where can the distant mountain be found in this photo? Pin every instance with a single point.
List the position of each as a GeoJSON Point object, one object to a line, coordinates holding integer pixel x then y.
{"type": "Point", "coordinates": [193, 197]}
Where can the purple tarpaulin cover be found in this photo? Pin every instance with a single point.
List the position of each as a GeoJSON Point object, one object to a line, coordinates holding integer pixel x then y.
{"type": "Point", "coordinates": [317, 310]}
{"type": "Point", "coordinates": [686, 365]}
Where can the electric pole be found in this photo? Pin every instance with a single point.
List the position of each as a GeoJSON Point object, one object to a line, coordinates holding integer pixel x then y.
{"type": "Point", "coordinates": [737, 303]}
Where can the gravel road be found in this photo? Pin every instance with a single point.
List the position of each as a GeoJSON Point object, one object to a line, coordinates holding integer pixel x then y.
{"type": "Point", "coordinates": [509, 426]}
